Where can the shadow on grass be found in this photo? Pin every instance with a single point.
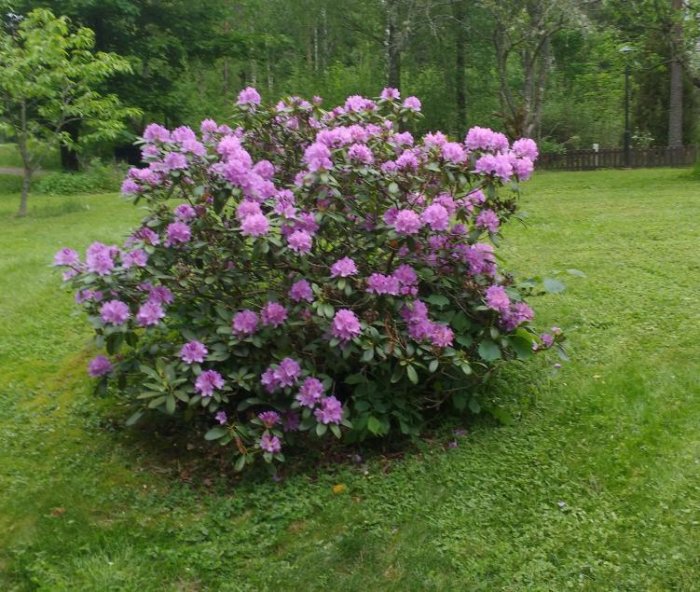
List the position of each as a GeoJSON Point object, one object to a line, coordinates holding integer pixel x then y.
{"type": "Point", "coordinates": [176, 449]}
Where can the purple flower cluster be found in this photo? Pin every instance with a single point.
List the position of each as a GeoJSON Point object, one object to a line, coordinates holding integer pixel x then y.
{"type": "Point", "coordinates": [346, 325]}
{"type": "Point", "coordinates": [193, 351]}
{"type": "Point", "coordinates": [244, 323]}
{"type": "Point", "coordinates": [301, 290]}
{"type": "Point", "coordinates": [273, 314]}
{"type": "Point", "coordinates": [344, 267]}
{"type": "Point", "coordinates": [421, 328]}
{"type": "Point", "coordinates": [282, 375]}
{"type": "Point", "coordinates": [99, 366]}
{"type": "Point", "coordinates": [208, 382]}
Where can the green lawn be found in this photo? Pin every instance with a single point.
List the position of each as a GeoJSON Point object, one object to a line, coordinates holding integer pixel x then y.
{"type": "Point", "coordinates": [595, 487]}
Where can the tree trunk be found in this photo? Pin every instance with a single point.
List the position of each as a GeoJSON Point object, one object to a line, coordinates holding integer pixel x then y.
{"type": "Point", "coordinates": [675, 107]}
{"type": "Point", "coordinates": [22, 137]}
{"type": "Point", "coordinates": [26, 184]}
{"type": "Point", "coordinates": [458, 12]}
{"type": "Point", "coordinates": [393, 45]}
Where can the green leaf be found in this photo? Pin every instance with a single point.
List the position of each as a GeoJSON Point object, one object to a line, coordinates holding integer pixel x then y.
{"type": "Point", "coordinates": [489, 351]}
{"type": "Point", "coordinates": [368, 354]}
{"type": "Point", "coordinates": [522, 347]}
{"type": "Point", "coordinates": [474, 405]}
{"type": "Point", "coordinates": [465, 340]}
{"type": "Point", "coordinates": [355, 379]}
{"type": "Point", "coordinates": [240, 463]}
{"type": "Point", "coordinates": [412, 374]}
{"type": "Point", "coordinates": [336, 430]}
{"type": "Point", "coordinates": [215, 433]}
{"type": "Point", "coordinates": [433, 366]}
{"type": "Point", "coordinates": [170, 404]}
{"type": "Point", "coordinates": [134, 418]}
{"type": "Point", "coordinates": [438, 300]}
{"type": "Point", "coordinates": [553, 286]}
{"type": "Point", "coordinates": [576, 272]}
{"type": "Point", "coordinates": [374, 425]}
{"type": "Point", "coordinates": [321, 429]}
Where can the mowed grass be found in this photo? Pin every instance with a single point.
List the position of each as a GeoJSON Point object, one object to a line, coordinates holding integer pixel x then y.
{"type": "Point", "coordinates": [596, 485]}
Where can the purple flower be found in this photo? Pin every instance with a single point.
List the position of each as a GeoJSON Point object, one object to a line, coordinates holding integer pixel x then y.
{"type": "Point", "coordinates": [357, 103]}
{"type": "Point", "coordinates": [412, 103]}
{"type": "Point", "coordinates": [115, 312]}
{"type": "Point", "coordinates": [346, 325]}
{"type": "Point", "coordinates": [518, 314]}
{"type": "Point", "coordinates": [488, 220]}
{"type": "Point", "coordinates": [523, 168]}
{"type": "Point", "coordinates": [100, 258]}
{"type": "Point", "coordinates": [129, 187]}
{"type": "Point", "coordinates": [207, 382]}
{"type": "Point", "coordinates": [390, 94]}
{"type": "Point", "coordinates": [185, 212]}
{"type": "Point", "coordinates": [344, 267]}
{"type": "Point", "coordinates": [453, 152]}
{"type": "Point", "coordinates": [547, 339]}
{"type": "Point", "coordinates": [480, 138]}
{"type": "Point", "coordinates": [330, 411]}
{"type": "Point", "coordinates": [301, 290]}
{"type": "Point", "coordinates": [150, 313]}
{"type": "Point", "coordinates": [66, 256]}
{"type": "Point", "coordinates": [221, 417]}
{"type": "Point", "coordinates": [248, 208]}
{"type": "Point", "coordinates": [379, 284]}
{"type": "Point", "coordinates": [497, 299]}
{"type": "Point", "coordinates": [442, 335]}
{"type": "Point", "coordinates": [193, 351]}
{"type": "Point", "coordinates": [407, 160]}
{"type": "Point", "coordinates": [254, 225]}
{"type": "Point", "coordinates": [147, 236]}
{"type": "Point", "coordinates": [270, 443]}
{"type": "Point", "coordinates": [526, 148]}
{"type": "Point", "coordinates": [318, 156]}
{"type": "Point", "coordinates": [273, 314]}
{"type": "Point", "coordinates": [159, 294]}
{"type": "Point", "coordinates": [300, 241]}
{"type": "Point", "coordinates": [287, 372]}
{"type": "Point", "coordinates": [137, 257]}
{"type": "Point", "coordinates": [310, 393]}
{"type": "Point", "coordinates": [208, 126]}
{"type": "Point", "coordinates": [436, 216]}
{"type": "Point", "coordinates": [407, 222]}
{"type": "Point", "coordinates": [248, 96]}
{"type": "Point", "coordinates": [269, 418]}
{"type": "Point", "coordinates": [498, 165]}
{"type": "Point", "coordinates": [175, 161]}
{"type": "Point", "coordinates": [360, 153]}
{"type": "Point", "coordinates": [155, 132]}
{"type": "Point", "coordinates": [244, 323]}
{"type": "Point", "coordinates": [177, 233]}
{"type": "Point", "coordinates": [99, 366]}
{"type": "Point", "coordinates": [435, 140]}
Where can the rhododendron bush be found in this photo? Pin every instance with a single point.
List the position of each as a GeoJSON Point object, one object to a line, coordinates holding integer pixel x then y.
{"type": "Point", "coordinates": [307, 271]}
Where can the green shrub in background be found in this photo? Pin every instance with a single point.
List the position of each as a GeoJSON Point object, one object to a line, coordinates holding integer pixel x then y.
{"type": "Point", "coordinates": [10, 183]}
{"type": "Point", "coordinates": [97, 178]}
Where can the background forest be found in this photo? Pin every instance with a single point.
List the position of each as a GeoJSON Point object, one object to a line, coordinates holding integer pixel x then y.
{"type": "Point", "coordinates": [551, 69]}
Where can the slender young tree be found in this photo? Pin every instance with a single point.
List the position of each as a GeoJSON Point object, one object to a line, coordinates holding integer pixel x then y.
{"type": "Point", "coordinates": [49, 79]}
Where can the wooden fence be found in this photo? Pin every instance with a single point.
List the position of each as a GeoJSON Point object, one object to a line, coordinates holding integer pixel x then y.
{"type": "Point", "coordinates": [614, 158]}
